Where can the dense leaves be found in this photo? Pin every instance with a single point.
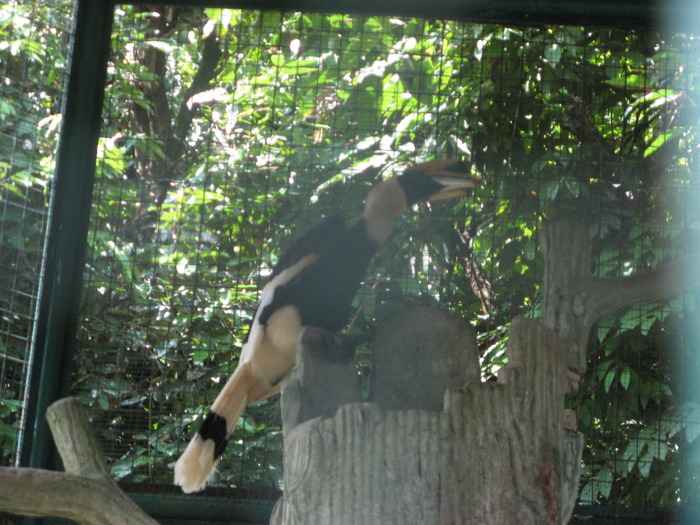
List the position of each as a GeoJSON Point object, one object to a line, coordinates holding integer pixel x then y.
{"type": "Point", "coordinates": [226, 132]}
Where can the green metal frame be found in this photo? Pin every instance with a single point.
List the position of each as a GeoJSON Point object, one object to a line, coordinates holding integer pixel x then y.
{"type": "Point", "coordinates": [638, 14]}
{"type": "Point", "coordinates": [69, 214]}
{"type": "Point", "coordinates": [71, 197]}
{"type": "Point", "coordinates": [176, 508]}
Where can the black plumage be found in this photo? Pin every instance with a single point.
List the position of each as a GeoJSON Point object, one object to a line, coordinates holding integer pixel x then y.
{"type": "Point", "coordinates": [323, 295]}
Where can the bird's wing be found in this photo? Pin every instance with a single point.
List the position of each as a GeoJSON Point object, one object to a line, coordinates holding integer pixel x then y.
{"type": "Point", "coordinates": [311, 242]}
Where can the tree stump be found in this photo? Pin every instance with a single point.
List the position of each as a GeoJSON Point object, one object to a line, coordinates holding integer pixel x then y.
{"type": "Point", "coordinates": [494, 452]}
{"type": "Point", "coordinates": [418, 356]}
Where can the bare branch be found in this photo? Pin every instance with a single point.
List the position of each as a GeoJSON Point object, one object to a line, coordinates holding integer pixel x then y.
{"type": "Point", "coordinates": [574, 299]}
{"type": "Point", "coordinates": [85, 493]}
{"type": "Point", "coordinates": [479, 281]}
{"type": "Point", "coordinates": [664, 281]}
{"type": "Point", "coordinates": [36, 492]}
{"type": "Point", "coordinates": [75, 440]}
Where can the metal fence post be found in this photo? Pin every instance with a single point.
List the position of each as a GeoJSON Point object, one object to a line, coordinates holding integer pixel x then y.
{"type": "Point", "coordinates": [69, 214]}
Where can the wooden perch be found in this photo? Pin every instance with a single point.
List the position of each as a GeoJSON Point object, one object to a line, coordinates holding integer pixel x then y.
{"type": "Point", "coordinates": [85, 493]}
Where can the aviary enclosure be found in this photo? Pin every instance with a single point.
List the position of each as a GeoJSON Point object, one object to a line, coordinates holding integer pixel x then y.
{"type": "Point", "coordinates": [224, 132]}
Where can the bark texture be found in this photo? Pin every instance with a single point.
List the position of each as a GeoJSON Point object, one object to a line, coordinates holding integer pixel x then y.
{"type": "Point", "coordinates": [449, 343]}
{"type": "Point", "coordinates": [494, 453]}
{"type": "Point", "coordinates": [84, 493]}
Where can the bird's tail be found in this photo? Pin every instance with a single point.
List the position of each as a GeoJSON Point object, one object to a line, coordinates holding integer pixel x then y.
{"type": "Point", "coordinates": [201, 456]}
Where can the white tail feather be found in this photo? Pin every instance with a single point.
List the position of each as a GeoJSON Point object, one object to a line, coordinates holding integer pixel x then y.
{"type": "Point", "coordinates": [233, 398]}
{"type": "Point", "coordinates": [197, 463]}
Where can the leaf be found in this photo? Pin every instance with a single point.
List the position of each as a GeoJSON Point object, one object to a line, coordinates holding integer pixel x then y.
{"type": "Point", "coordinates": [633, 81]}
{"type": "Point", "coordinates": [604, 480]}
{"type": "Point", "coordinates": [200, 356]}
{"type": "Point", "coordinates": [663, 138]}
{"type": "Point", "coordinates": [277, 59]}
{"type": "Point", "coordinates": [692, 427]}
{"type": "Point", "coordinates": [184, 267]}
{"type": "Point", "coordinates": [213, 13]}
{"type": "Point", "coordinates": [609, 378]}
{"type": "Point", "coordinates": [644, 463]}
{"type": "Point", "coordinates": [625, 377]}
{"type": "Point", "coordinates": [368, 101]}
{"type": "Point", "coordinates": [302, 66]}
{"type": "Point", "coordinates": [552, 54]}
{"type": "Point", "coordinates": [589, 493]}
{"type": "Point", "coordinates": [218, 94]}
{"type": "Point", "coordinates": [161, 45]}
{"type": "Point", "coordinates": [645, 391]}
{"type": "Point", "coordinates": [549, 189]}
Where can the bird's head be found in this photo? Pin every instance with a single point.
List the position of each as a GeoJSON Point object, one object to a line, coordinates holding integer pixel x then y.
{"type": "Point", "coordinates": [434, 180]}
{"type": "Point", "coordinates": [437, 179]}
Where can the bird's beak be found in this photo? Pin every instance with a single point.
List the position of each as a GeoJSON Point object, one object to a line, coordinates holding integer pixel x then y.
{"type": "Point", "coordinates": [452, 174]}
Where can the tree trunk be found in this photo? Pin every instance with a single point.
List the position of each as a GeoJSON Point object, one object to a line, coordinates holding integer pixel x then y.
{"type": "Point", "coordinates": [492, 453]}
{"type": "Point", "coordinates": [496, 453]}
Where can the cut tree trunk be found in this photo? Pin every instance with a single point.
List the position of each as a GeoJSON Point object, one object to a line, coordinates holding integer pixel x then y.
{"type": "Point", "coordinates": [497, 453]}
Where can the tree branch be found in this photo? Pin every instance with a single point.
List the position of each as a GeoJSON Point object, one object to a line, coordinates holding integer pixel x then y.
{"type": "Point", "coordinates": [665, 280]}
{"type": "Point", "coordinates": [478, 280]}
{"type": "Point", "coordinates": [85, 493]}
{"type": "Point", "coordinates": [206, 72]}
{"type": "Point", "coordinates": [87, 500]}
{"type": "Point", "coordinates": [574, 299]}
{"type": "Point", "coordinates": [75, 440]}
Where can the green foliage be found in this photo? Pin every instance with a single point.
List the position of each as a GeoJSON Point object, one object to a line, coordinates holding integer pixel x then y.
{"type": "Point", "coordinates": [226, 132]}
{"type": "Point", "coordinates": [33, 57]}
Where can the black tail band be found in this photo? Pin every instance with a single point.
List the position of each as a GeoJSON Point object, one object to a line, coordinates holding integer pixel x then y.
{"type": "Point", "coordinates": [214, 428]}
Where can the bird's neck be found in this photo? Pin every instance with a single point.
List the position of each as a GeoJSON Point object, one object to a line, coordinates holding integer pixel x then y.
{"type": "Point", "coordinates": [384, 204]}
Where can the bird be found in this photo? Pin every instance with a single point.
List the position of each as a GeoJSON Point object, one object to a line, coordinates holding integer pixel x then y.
{"type": "Point", "coordinates": [312, 285]}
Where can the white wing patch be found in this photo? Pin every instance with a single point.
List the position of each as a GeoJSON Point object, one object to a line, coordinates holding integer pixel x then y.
{"type": "Point", "coordinates": [274, 345]}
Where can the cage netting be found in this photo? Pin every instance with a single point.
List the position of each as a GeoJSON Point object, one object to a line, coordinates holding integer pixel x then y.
{"type": "Point", "coordinates": [34, 47]}
{"type": "Point", "coordinates": [226, 132]}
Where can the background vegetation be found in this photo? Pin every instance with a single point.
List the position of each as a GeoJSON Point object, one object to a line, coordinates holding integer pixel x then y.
{"type": "Point", "coordinates": [225, 132]}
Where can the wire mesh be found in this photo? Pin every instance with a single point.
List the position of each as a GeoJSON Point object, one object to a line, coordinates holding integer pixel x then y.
{"type": "Point", "coordinates": [33, 57]}
{"type": "Point", "coordinates": [227, 132]}
{"type": "Point", "coordinates": [638, 408]}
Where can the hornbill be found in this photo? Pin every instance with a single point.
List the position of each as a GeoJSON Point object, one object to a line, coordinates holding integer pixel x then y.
{"type": "Point", "coordinates": [313, 284]}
